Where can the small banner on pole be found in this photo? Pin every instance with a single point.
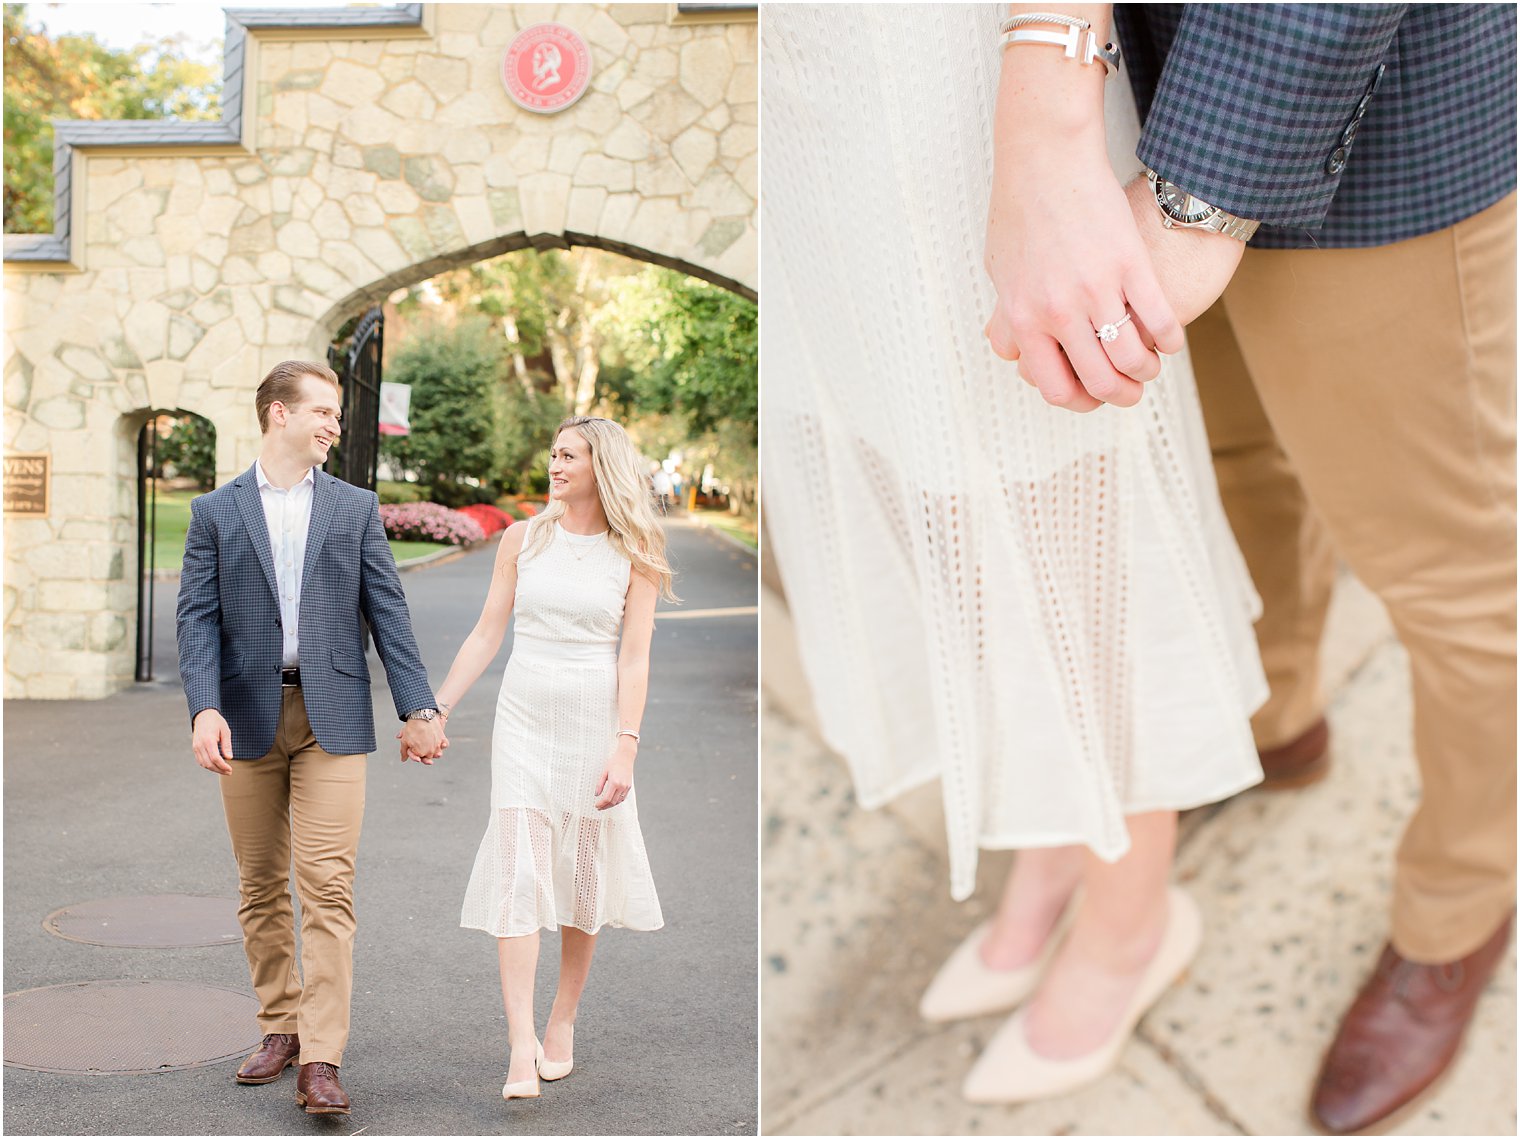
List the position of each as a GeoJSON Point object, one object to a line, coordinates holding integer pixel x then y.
{"type": "Point", "coordinates": [395, 409]}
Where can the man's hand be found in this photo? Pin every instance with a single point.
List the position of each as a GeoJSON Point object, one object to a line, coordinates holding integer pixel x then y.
{"type": "Point", "coordinates": [211, 740]}
{"type": "Point", "coordinates": [422, 740]}
{"type": "Point", "coordinates": [617, 777]}
{"type": "Point", "coordinates": [1192, 266]}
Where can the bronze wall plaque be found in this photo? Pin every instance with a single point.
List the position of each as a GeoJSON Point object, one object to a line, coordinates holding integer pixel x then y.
{"type": "Point", "coordinates": [28, 484]}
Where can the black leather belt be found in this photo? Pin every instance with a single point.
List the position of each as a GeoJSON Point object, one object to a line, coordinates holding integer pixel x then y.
{"type": "Point", "coordinates": [290, 678]}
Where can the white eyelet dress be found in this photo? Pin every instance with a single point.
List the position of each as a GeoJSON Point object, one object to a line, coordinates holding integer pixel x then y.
{"type": "Point", "coordinates": [549, 857]}
{"type": "Point", "coordinates": [1046, 612]}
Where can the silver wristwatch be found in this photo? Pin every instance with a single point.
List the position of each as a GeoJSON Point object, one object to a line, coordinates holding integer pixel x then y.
{"type": "Point", "coordinates": [1180, 209]}
{"type": "Point", "coordinates": [422, 714]}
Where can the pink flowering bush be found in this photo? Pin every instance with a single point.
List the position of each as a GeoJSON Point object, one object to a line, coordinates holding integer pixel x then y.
{"type": "Point", "coordinates": [429, 522]}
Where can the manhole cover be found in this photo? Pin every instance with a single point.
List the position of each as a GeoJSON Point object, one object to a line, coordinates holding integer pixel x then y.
{"type": "Point", "coordinates": [127, 1027]}
{"type": "Point", "coordinates": [159, 921]}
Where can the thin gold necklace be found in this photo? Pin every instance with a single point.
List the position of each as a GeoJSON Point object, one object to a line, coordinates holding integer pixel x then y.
{"type": "Point", "coordinates": [571, 544]}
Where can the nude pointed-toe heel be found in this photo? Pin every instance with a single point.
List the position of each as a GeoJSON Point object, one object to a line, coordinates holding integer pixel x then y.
{"type": "Point", "coordinates": [1010, 1071]}
{"type": "Point", "coordinates": [556, 1069]}
{"type": "Point", "coordinates": [524, 1089]}
{"type": "Point", "coordinates": [965, 987]}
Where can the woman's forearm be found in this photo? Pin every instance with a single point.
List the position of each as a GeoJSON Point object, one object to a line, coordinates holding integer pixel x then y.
{"type": "Point", "coordinates": [478, 650]}
{"type": "Point", "coordinates": [633, 688]}
{"type": "Point", "coordinates": [1045, 99]}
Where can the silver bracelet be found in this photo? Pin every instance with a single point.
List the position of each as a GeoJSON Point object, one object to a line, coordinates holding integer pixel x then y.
{"type": "Point", "coordinates": [1070, 40]}
{"type": "Point", "coordinates": [628, 732]}
{"type": "Point", "coordinates": [1043, 18]}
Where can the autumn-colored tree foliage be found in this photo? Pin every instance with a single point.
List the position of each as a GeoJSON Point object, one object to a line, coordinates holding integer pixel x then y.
{"type": "Point", "coordinates": [77, 77]}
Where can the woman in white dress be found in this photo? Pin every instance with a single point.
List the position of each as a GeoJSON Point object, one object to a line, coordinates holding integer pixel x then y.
{"type": "Point", "coordinates": [562, 846]}
{"type": "Point", "coordinates": [1045, 612]}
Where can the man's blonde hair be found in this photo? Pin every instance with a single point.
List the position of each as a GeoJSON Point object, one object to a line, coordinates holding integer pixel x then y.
{"type": "Point", "coordinates": [283, 385]}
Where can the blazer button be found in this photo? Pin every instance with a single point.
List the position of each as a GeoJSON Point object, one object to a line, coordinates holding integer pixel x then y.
{"type": "Point", "coordinates": [1337, 161]}
{"type": "Point", "coordinates": [277, 623]}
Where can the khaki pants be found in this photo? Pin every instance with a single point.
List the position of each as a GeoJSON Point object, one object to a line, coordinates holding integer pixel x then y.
{"type": "Point", "coordinates": [1363, 400]}
{"type": "Point", "coordinates": [298, 799]}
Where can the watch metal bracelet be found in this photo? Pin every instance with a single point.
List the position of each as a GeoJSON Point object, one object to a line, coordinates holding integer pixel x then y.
{"type": "Point", "coordinates": [1237, 227]}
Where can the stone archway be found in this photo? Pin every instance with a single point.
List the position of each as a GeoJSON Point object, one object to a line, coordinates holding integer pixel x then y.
{"type": "Point", "coordinates": [357, 154]}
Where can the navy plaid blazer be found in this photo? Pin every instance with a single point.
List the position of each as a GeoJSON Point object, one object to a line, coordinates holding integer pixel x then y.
{"type": "Point", "coordinates": [1335, 125]}
{"type": "Point", "coordinates": [228, 620]}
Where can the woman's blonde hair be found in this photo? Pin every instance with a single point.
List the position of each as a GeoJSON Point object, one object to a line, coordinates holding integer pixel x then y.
{"type": "Point", "coordinates": [623, 488]}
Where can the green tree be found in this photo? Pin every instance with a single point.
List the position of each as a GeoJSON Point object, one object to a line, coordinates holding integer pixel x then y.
{"type": "Point", "coordinates": [191, 447]}
{"type": "Point", "coordinates": [693, 351]}
{"type": "Point", "coordinates": [525, 420]}
{"type": "Point", "coordinates": [454, 373]}
{"type": "Point", "coordinates": [77, 77]}
{"type": "Point", "coordinates": [589, 332]}
{"type": "Point", "coordinates": [699, 348]}
{"type": "Point", "coordinates": [549, 306]}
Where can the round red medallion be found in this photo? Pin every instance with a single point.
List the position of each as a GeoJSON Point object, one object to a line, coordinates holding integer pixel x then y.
{"type": "Point", "coordinates": [548, 67]}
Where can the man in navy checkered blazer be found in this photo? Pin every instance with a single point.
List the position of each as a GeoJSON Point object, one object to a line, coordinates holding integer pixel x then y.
{"type": "Point", "coordinates": [1356, 365]}
{"type": "Point", "coordinates": [284, 567]}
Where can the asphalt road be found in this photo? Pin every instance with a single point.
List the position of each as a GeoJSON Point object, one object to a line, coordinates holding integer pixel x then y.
{"type": "Point", "coordinates": [102, 799]}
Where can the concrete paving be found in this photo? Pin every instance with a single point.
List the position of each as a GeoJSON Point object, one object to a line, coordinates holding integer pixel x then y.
{"type": "Point", "coordinates": [103, 799]}
{"type": "Point", "coordinates": [1294, 889]}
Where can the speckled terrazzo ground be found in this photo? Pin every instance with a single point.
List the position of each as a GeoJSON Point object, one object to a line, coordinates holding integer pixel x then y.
{"type": "Point", "coordinates": [1293, 887]}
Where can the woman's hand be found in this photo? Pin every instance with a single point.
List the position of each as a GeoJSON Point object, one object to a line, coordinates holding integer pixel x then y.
{"type": "Point", "coordinates": [1062, 249]}
{"type": "Point", "coordinates": [617, 777]}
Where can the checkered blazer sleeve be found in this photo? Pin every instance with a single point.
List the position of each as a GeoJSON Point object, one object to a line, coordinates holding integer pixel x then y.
{"type": "Point", "coordinates": [198, 615]}
{"type": "Point", "coordinates": [1253, 101]}
{"type": "Point", "coordinates": [384, 606]}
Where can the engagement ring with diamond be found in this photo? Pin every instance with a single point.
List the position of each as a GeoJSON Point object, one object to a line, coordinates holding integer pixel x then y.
{"type": "Point", "coordinates": [1110, 332]}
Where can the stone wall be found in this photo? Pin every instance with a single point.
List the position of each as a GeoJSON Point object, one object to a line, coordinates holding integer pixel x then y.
{"type": "Point", "coordinates": [366, 164]}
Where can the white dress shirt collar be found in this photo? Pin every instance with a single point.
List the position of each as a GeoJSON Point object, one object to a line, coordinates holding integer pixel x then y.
{"type": "Point", "coordinates": [263, 479]}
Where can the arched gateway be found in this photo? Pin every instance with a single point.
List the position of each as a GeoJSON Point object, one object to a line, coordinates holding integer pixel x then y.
{"type": "Point", "coordinates": [361, 150]}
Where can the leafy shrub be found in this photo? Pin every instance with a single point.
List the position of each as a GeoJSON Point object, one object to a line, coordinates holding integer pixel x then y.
{"type": "Point", "coordinates": [453, 373]}
{"type": "Point", "coordinates": [429, 522]}
{"type": "Point", "coordinates": [191, 447]}
{"type": "Point", "coordinates": [491, 519]}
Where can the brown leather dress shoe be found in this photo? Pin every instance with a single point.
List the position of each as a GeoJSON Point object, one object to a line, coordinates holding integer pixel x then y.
{"type": "Point", "coordinates": [1299, 762]}
{"type": "Point", "coordinates": [318, 1090]}
{"type": "Point", "coordinates": [275, 1053]}
{"type": "Point", "coordinates": [1401, 1032]}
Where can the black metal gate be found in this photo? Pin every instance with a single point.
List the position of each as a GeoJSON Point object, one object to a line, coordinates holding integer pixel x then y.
{"type": "Point", "coordinates": [357, 454]}
{"type": "Point", "coordinates": [147, 533]}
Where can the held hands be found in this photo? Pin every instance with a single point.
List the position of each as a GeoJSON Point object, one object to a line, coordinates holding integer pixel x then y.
{"type": "Point", "coordinates": [423, 740]}
{"type": "Point", "coordinates": [1065, 256]}
{"type": "Point", "coordinates": [211, 741]}
{"type": "Point", "coordinates": [617, 778]}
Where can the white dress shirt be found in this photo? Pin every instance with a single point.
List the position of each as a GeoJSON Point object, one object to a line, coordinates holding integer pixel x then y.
{"type": "Point", "coordinates": [288, 513]}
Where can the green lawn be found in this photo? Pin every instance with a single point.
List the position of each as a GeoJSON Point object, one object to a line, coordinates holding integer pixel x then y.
{"type": "Point", "coordinates": [174, 519]}
{"type": "Point", "coordinates": [403, 550]}
{"type": "Point", "coordinates": [734, 526]}
{"type": "Point", "coordinates": [170, 526]}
